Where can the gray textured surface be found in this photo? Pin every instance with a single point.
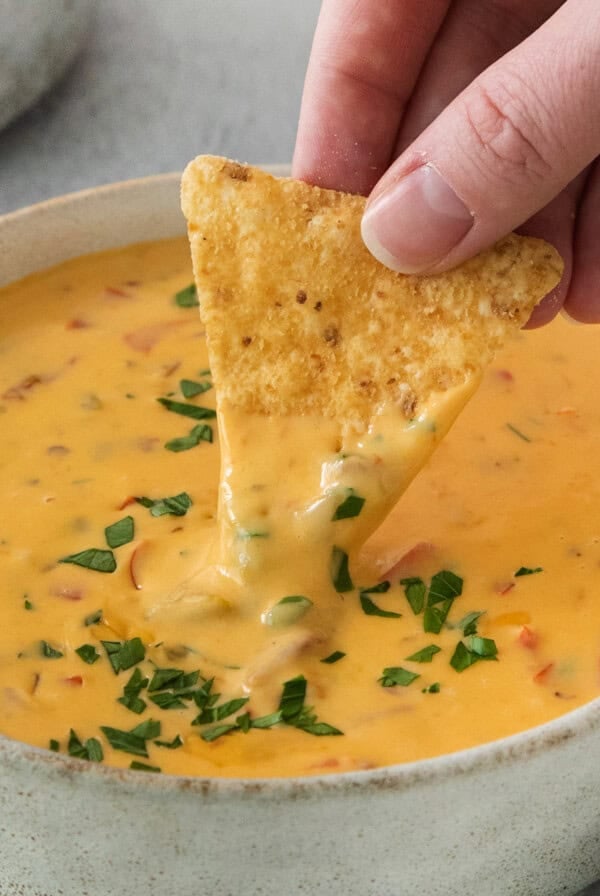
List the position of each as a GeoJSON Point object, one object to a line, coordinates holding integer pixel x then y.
{"type": "Point", "coordinates": [158, 82]}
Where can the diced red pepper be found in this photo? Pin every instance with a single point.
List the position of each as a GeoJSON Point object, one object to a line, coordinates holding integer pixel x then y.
{"type": "Point", "coordinates": [528, 638]}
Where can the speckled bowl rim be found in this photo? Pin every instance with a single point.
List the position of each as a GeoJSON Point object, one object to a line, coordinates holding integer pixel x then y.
{"type": "Point", "coordinates": [516, 748]}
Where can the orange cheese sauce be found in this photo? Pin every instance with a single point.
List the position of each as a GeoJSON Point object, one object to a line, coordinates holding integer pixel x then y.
{"type": "Point", "coordinates": [87, 349]}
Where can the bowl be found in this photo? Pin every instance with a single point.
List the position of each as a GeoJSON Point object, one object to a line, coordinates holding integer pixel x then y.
{"type": "Point", "coordinates": [517, 816]}
{"type": "Point", "coordinates": [38, 41]}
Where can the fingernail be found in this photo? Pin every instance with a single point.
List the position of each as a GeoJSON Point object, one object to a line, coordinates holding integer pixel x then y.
{"type": "Point", "coordinates": [416, 222]}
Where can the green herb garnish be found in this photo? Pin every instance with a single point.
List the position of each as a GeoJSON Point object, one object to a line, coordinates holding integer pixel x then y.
{"type": "Point", "coordinates": [432, 689]}
{"type": "Point", "coordinates": [414, 590]}
{"type": "Point", "coordinates": [334, 657]}
{"type": "Point", "coordinates": [27, 605]}
{"type": "Point", "coordinates": [196, 411]}
{"type": "Point", "coordinates": [435, 617]}
{"type": "Point", "coordinates": [142, 767]}
{"type": "Point", "coordinates": [124, 654]}
{"type": "Point", "coordinates": [170, 744]}
{"type": "Point", "coordinates": [527, 571]}
{"type": "Point", "coordinates": [131, 693]}
{"type": "Point", "coordinates": [396, 675]}
{"type": "Point", "coordinates": [518, 432]}
{"type": "Point", "coordinates": [477, 649]}
{"type": "Point", "coordinates": [287, 611]}
{"type": "Point", "coordinates": [120, 533]}
{"type": "Point", "coordinates": [93, 558]}
{"type": "Point", "coordinates": [340, 574]}
{"type": "Point", "coordinates": [200, 433]}
{"type": "Point", "coordinates": [88, 653]}
{"type": "Point", "coordinates": [49, 652]}
{"type": "Point", "coordinates": [93, 618]}
{"type": "Point", "coordinates": [187, 297]}
{"type": "Point", "coordinates": [190, 388]}
{"type": "Point", "coordinates": [425, 655]}
{"type": "Point", "coordinates": [91, 749]}
{"type": "Point", "coordinates": [218, 713]}
{"type": "Point", "coordinates": [370, 608]}
{"type": "Point", "coordinates": [133, 741]}
{"type": "Point", "coordinates": [349, 508]}
{"type": "Point", "coordinates": [445, 585]}
{"type": "Point", "coordinates": [54, 745]}
{"type": "Point", "coordinates": [178, 505]}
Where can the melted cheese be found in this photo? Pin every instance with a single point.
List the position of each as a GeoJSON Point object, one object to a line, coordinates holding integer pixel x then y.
{"type": "Point", "coordinates": [87, 349]}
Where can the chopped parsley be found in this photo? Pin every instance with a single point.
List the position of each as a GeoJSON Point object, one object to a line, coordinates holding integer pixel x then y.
{"type": "Point", "coordinates": [88, 653]}
{"type": "Point", "coordinates": [27, 605]}
{"type": "Point", "coordinates": [425, 655]}
{"type": "Point", "coordinates": [170, 744]}
{"type": "Point", "coordinates": [287, 611]}
{"type": "Point", "coordinates": [93, 558]}
{"type": "Point", "coordinates": [123, 655]}
{"type": "Point", "coordinates": [54, 745]}
{"type": "Point", "coordinates": [334, 657]}
{"type": "Point", "coordinates": [469, 623]}
{"type": "Point", "coordinates": [472, 652]}
{"type": "Point", "coordinates": [91, 749]}
{"type": "Point", "coordinates": [370, 608]}
{"type": "Point", "coordinates": [133, 741]}
{"type": "Point", "coordinates": [120, 533]}
{"type": "Point", "coordinates": [528, 571]}
{"type": "Point", "coordinates": [93, 618]}
{"type": "Point", "coordinates": [187, 297]}
{"type": "Point", "coordinates": [178, 505]}
{"type": "Point", "coordinates": [131, 693]}
{"type": "Point", "coordinates": [200, 433]}
{"type": "Point", "coordinates": [518, 432]}
{"type": "Point", "coordinates": [196, 411]}
{"type": "Point", "coordinates": [349, 508]}
{"type": "Point", "coordinates": [435, 617]}
{"type": "Point", "coordinates": [396, 675]}
{"type": "Point", "coordinates": [432, 689]}
{"type": "Point", "coordinates": [190, 388]}
{"type": "Point", "coordinates": [445, 585]}
{"type": "Point", "coordinates": [50, 652]}
{"type": "Point", "coordinates": [340, 574]}
{"type": "Point", "coordinates": [143, 767]}
{"type": "Point", "coordinates": [415, 591]}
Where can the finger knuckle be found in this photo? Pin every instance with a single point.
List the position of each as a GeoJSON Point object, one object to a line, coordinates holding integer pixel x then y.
{"type": "Point", "coordinates": [502, 119]}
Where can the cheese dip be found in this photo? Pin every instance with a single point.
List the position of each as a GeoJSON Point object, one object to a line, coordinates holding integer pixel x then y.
{"type": "Point", "coordinates": [471, 613]}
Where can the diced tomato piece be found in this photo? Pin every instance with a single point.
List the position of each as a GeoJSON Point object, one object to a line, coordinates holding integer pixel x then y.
{"type": "Point", "coordinates": [130, 499]}
{"type": "Point", "coordinates": [503, 587]}
{"type": "Point", "coordinates": [542, 676]}
{"type": "Point", "coordinates": [77, 323]}
{"type": "Point", "coordinates": [505, 375]}
{"type": "Point", "coordinates": [74, 681]}
{"type": "Point", "coordinates": [528, 638]}
{"type": "Point", "coordinates": [117, 292]}
{"type": "Point", "coordinates": [145, 338]}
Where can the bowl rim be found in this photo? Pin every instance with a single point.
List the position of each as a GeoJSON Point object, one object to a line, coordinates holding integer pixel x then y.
{"type": "Point", "coordinates": [513, 749]}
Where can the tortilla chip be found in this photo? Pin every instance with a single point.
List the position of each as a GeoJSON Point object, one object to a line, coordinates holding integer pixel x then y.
{"type": "Point", "coordinates": [301, 319]}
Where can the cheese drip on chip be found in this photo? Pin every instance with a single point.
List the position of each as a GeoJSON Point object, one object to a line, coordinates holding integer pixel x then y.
{"type": "Point", "coordinates": [336, 377]}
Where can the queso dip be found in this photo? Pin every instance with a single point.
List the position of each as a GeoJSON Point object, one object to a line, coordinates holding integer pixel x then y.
{"type": "Point", "coordinates": [470, 615]}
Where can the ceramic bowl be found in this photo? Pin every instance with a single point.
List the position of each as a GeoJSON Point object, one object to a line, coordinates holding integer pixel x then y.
{"type": "Point", "coordinates": [519, 816]}
{"type": "Point", "coordinates": [38, 41]}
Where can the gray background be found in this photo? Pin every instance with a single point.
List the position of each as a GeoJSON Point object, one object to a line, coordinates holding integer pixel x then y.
{"type": "Point", "coordinates": [158, 82]}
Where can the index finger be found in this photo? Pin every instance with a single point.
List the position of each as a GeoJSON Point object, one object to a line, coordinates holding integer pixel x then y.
{"type": "Point", "coordinates": [365, 61]}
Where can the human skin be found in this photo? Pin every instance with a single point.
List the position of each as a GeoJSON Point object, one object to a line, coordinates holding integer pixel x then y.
{"type": "Point", "coordinates": [462, 121]}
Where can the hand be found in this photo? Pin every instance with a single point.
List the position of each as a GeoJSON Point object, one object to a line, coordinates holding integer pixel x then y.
{"type": "Point", "coordinates": [463, 120]}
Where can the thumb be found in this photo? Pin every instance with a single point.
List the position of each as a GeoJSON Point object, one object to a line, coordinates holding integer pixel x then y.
{"type": "Point", "coordinates": [500, 152]}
